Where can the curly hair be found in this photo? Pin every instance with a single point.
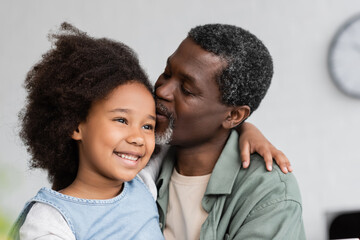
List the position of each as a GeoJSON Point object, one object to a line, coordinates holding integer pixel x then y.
{"type": "Point", "coordinates": [247, 75]}
{"type": "Point", "coordinates": [62, 86]}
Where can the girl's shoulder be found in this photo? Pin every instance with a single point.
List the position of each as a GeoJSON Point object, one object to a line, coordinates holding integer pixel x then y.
{"type": "Point", "coordinates": [43, 220]}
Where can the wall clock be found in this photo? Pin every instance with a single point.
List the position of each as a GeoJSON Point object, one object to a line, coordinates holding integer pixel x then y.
{"type": "Point", "coordinates": [344, 57]}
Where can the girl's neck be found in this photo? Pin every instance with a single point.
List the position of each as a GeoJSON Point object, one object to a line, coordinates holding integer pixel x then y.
{"type": "Point", "coordinates": [82, 188]}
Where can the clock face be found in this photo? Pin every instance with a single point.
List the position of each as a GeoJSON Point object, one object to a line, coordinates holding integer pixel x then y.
{"type": "Point", "coordinates": [344, 58]}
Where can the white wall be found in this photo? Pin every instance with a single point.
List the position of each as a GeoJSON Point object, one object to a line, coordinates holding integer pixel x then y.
{"type": "Point", "coordinates": [303, 113]}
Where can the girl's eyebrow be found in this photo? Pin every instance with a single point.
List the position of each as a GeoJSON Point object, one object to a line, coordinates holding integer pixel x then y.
{"type": "Point", "coordinates": [120, 110]}
{"type": "Point", "coordinates": [123, 110]}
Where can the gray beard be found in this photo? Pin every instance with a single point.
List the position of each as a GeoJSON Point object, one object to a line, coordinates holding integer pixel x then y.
{"type": "Point", "coordinates": [165, 137]}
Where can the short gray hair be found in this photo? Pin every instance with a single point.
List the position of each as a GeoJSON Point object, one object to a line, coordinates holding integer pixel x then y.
{"type": "Point", "coordinates": [247, 76]}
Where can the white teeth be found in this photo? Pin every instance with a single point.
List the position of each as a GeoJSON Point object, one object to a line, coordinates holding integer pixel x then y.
{"type": "Point", "coordinates": [132, 158]}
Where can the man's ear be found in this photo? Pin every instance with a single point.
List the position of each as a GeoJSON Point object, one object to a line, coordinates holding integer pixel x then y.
{"type": "Point", "coordinates": [235, 116]}
{"type": "Point", "coordinates": [77, 134]}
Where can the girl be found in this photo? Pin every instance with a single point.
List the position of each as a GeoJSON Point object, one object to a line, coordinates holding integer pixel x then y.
{"type": "Point", "coordinates": [89, 121]}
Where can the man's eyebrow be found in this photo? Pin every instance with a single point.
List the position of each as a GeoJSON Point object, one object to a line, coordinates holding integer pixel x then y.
{"type": "Point", "coordinates": [123, 110]}
{"type": "Point", "coordinates": [187, 77]}
{"type": "Point", "coordinates": [183, 75]}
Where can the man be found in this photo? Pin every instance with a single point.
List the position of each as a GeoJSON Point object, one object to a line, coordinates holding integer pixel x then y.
{"type": "Point", "coordinates": [213, 82]}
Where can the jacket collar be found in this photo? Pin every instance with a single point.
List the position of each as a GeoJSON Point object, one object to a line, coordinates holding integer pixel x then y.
{"type": "Point", "coordinates": [166, 171]}
{"type": "Point", "coordinates": [226, 169]}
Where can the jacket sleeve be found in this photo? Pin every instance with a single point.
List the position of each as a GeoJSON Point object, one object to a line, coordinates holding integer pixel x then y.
{"type": "Point", "coordinates": [273, 220]}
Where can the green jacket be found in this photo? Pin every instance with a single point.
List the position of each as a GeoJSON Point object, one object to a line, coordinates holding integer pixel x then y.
{"type": "Point", "coordinates": [242, 203]}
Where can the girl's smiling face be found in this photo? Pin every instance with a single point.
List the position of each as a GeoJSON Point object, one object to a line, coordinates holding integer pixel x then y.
{"type": "Point", "coordinates": [118, 136]}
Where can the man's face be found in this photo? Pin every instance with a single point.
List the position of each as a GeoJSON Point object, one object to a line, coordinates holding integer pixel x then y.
{"type": "Point", "coordinates": [187, 92]}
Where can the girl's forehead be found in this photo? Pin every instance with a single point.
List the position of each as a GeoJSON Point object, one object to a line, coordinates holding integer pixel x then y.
{"type": "Point", "coordinates": [132, 96]}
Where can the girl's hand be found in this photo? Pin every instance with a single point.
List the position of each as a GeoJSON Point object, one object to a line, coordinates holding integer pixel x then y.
{"type": "Point", "coordinates": [251, 140]}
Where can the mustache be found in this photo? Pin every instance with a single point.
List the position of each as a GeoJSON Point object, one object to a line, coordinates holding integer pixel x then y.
{"type": "Point", "coordinates": [163, 110]}
{"type": "Point", "coordinates": [166, 112]}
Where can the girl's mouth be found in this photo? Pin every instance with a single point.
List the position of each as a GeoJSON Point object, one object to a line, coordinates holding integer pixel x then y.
{"type": "Point", "coordinates": [128, 156]}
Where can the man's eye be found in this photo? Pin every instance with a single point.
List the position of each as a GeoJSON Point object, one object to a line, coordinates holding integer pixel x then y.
{"type": "Point", "coordinates": [166, 76]}
{"type": "Point", "coordinates": [185, 91]}
{"type": "Point", "coordinates": [148, 127]}
{"type": "Point", "coordinates": [121, 120]}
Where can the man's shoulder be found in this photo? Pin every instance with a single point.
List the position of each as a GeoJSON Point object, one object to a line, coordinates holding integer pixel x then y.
{"type": "Point", "coordinates": [269, 186]}
{"type": "Point", "coordinates": [262, 198]}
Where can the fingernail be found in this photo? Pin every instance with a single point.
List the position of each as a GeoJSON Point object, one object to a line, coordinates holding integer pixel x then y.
{"type": "Point", "coordinates": [290, 168]}
{"type": "Point", "coordinates": [245, 164]}
{"type": "Point", "coordinates": [269, 168]}
{"type": "Point", "coordinates": [285, 169]}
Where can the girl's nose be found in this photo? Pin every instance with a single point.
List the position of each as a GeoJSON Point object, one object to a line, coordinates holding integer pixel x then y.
{"type": "Point", "coordinates": [135, 138]}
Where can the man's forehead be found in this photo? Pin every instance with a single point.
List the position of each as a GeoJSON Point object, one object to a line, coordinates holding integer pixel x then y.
{"type": "Point", "coordinates": [192, 59]}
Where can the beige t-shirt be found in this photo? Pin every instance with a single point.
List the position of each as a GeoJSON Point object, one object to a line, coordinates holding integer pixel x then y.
{"type": "Point", "coordinates": [185, 214]}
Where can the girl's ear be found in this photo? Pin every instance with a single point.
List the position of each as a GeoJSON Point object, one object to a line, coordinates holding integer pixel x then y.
{"type": "Point", "coordinates": [77, 134]}
{"type": "Point", "coordinates": [236, 115]}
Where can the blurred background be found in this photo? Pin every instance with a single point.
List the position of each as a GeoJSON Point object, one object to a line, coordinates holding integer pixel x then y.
{"type": "Point", "coordinates": [303, 114]}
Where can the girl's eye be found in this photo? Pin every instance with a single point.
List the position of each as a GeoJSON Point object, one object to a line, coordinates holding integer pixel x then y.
{"type": "Point", "coordinates": [148, 127]}
{"type": "Point", "coordinates": [121, 120]}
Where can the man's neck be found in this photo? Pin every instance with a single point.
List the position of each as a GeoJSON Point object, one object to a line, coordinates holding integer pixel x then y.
{"type": "Point", "coordinates": [201, 159]}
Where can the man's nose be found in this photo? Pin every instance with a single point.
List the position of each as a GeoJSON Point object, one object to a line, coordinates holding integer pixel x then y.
{"type": "Point", "coordinates": [135, 137]}
{"type": "Point", "coordinates": [165, 90]}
